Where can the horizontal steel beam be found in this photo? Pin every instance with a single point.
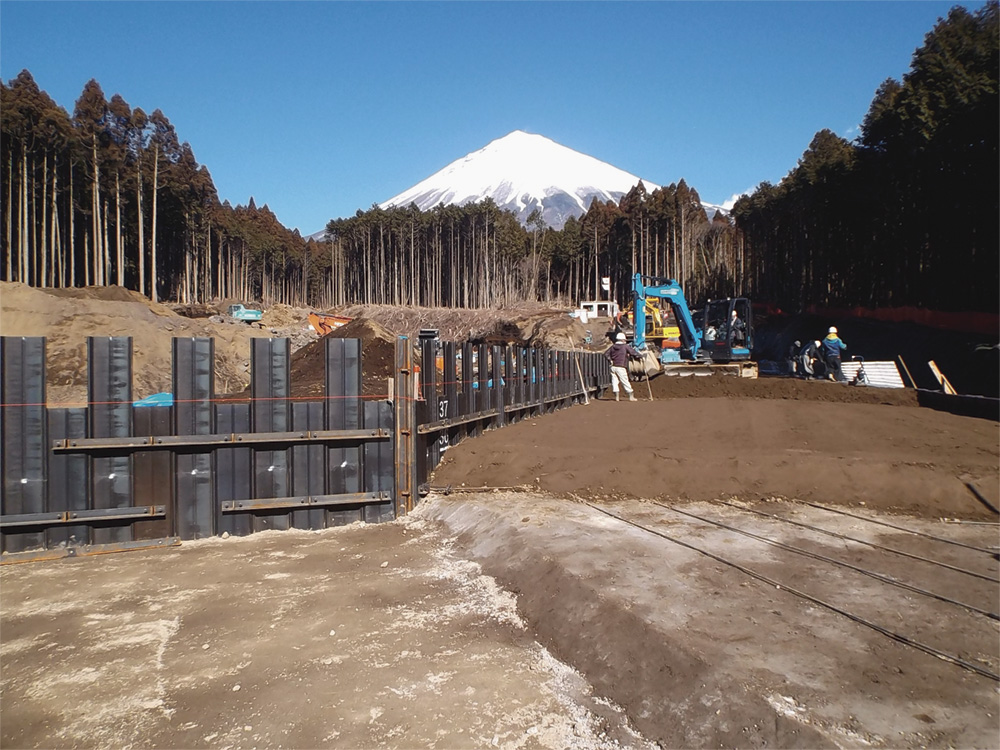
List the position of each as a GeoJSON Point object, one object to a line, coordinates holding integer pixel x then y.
{"type": "Point", "coordinates": [76, 516]}
{"type": "Point", "coordinates": [443, 424]}
{"type": "Point", "coordinates": [86, 550]}
{"type": "Point", "coordinates": [83, 445]}
{"type": "Point", "coordinates": [315, 501]}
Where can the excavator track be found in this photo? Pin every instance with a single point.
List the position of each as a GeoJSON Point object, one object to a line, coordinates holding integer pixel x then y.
{"type": "Point", "coordinates": [737, 369]}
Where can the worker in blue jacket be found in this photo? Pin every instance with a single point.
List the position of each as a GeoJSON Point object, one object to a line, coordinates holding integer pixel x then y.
{"type": "Point", "coordinates": [832, 347]}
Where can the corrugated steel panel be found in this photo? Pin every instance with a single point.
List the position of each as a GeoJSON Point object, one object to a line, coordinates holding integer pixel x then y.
{"type": "Point", "coordinates": [378, 463]}
{"type": "Point", "coordinates": [232, 469]}
{"type": "Point", "coordinates": [153, 475]}
{"type": "Point", "coordinates": [69, 476]}
{"type": "Point", "coordinates": [270, 412]}
{"type": "Point", "coordinates": [194, 414]}
{"type": "Point", "coordinates": [879, 374]}
{"type": "Point", "coordinates": [109, 395]}
{"type": "Point", "coordinates": [308, 464]}
{"type": "Point", "coordinates": [23, 435]}
{"type": "Point", "coordinates": [343, 411]}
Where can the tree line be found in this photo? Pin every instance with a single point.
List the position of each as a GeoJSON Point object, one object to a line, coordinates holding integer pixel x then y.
{"type": "Point", "coordinates": [904, 215]}
{"type": "Point", "coordinates": [110, 195]}
{"type": "Point", "coordinates": [907, 213]}
{"type": "Point", "coordinates": [479, 255]}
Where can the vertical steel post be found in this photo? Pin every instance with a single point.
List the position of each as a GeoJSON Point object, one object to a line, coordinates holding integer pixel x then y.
{"type": "Point", "coordinates": [405, 429]}
{"type": "Point", "coordinates": [429, 391]}
{"type": "Point", "coordinates": [498, 386]}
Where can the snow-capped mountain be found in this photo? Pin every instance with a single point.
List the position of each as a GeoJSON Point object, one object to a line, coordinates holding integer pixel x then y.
{"type": "Point", "coordinates": [522, 172]}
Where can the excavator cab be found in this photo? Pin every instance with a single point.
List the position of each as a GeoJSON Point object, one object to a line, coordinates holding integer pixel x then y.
{"type": "Point", "coordinates": [727, 329]}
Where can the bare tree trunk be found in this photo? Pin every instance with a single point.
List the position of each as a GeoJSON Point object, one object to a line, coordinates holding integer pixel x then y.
{"type": "Point", "coordinates": [10, 217]}
{"type": "Point", "coordinates": [120, 255]}
{"type": "Point", "coordinates": [141, 249]}
{"type": "Point", "coordinates": [43, 251]}
{"type": "Point", "coordinates": [54, 225]}
{"type": "Point", "coordinates": [22, 270]}
{"type": "Point", "coordinates": [106, 255]}
{"type": "Point", "coordinates": [72, 229]}
{"type": "Point", "coordinates": [95, 202]}
{"type": "Point", "coordinates": [152, 238]}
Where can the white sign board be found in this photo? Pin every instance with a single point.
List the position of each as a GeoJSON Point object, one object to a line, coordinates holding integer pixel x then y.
{"type": "Point", "coordinates": [606, 283]}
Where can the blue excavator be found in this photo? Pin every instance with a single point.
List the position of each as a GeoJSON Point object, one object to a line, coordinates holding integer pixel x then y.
{"type": "Point", "coordinates": [676, 341]}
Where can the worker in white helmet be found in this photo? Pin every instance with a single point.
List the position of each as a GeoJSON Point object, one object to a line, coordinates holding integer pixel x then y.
{"type": "Point", "coordinates": [618, 355]}
{"type": "Point", "coordinates": [832, 347]}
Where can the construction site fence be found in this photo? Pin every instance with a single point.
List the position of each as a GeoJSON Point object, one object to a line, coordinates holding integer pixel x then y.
{"type": "Point", "coordinates": [111, 475]}
{"type": "Point", "coordinates": [474, 387]}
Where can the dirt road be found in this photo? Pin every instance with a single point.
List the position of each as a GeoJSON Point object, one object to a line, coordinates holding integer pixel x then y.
{"type": "Point", "coordinates": [357, 637]}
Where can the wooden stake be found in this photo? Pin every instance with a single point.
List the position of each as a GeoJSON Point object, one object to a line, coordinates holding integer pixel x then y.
{"type": "Point", "coordinates": [942, 379]}
{"type": "Point", "coordinates": [583, 385]}
{"type": "Point", "coordinates": [906, 369]}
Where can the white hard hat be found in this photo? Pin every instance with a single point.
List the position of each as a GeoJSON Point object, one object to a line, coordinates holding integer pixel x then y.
{"type": "Point", "coordinates": [620, 337]}
{"type": "Point", "coordinates": [833, 329]}
{"type": "Point", "coordinates": [818, 343]}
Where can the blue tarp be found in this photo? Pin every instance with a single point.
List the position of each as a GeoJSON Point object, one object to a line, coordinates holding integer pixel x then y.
{"type": "Point", "coordinates": [157, 399]}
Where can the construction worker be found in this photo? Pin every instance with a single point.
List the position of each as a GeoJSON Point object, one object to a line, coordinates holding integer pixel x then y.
{"type": "Point", "coordinates": [810, 362]}
{"type": "Point", "coordinates": [619, 353]}
{"type": "Point", "coordinates": [736, 329]}
{"type": "Point", "coordinates": [832, 347]}
{"type": "Point", "coordinates": [792, 359]}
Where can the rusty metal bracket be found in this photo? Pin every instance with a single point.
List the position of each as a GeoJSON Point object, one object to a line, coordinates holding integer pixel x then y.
{"type": "Point", "coordinates": [86, 550]}
{"type": "Point", "coordinates": [76, 516]}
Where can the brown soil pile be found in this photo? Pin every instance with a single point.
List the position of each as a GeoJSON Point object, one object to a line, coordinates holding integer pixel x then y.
{"type": "Point", "coordinates": [529, 324]}
{"type": "Point", "coordinates": [726, 386]}
{"type": "Point", "coordinates": [910, 460]}
{"type": "Point", "coordinates": [66, 317]}
{"type": "Point", "coordinates": [284, 317]}
{"type": "Point", "coordinates": [378, 360]}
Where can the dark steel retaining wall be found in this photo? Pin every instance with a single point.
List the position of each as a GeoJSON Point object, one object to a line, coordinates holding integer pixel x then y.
{"type": "Point", "coordinates": [112, 475]}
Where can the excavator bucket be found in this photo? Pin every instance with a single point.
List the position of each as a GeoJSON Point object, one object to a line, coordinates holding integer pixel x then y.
{"type": "Point", "coordinates": [647, 366]}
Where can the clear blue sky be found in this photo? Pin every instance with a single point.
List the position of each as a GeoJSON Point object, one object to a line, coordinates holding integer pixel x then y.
{"type": "Point", "coordinates": [319, 109]}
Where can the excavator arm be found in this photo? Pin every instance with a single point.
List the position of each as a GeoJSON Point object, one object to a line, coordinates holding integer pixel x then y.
{"type": "Point", "coordinates": [652, 287]}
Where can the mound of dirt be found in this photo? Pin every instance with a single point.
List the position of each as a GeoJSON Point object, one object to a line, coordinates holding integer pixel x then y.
{"type": "Point", "coordinates": [727, 386]}
{"type": "Point", "coordinates": [378, 360]}
{"type": "Point", "coordinates": [916, 461]}
{"type": "Point", "coordinates": [196, 310]}
{"type": "Point", "coordinates": [528, 324]}
{"type": "Point", "coordinates": [107, 294]}
{"type": "Point", "coordinates": [66, 317]}
{"type": "Point", "coordinates": [285, 316]}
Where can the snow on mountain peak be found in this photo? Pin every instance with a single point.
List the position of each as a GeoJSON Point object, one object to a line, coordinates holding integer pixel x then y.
{"type": "Point", "coordinates": [522, 172]}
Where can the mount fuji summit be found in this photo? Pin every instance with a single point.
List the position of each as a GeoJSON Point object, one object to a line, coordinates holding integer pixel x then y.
{"type": "Point", "coordinates": [522, 172]}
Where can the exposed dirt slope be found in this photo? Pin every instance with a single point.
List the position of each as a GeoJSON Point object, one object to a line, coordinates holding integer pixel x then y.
{"type": "Point", "coordinates": [66, 317]}
{"type": "Point", "coordinates": [910, 460]}
{"type": "Point", "coordinates": [526, 324]}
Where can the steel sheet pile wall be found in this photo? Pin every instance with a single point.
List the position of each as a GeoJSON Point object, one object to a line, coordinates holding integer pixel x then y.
{"type": "Point", "coordinates": [119, 476]}
{"type": "Point", "coordinates": [466, 388]}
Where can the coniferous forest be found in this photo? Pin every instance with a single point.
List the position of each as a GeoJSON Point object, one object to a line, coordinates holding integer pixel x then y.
{"type": "Point", "coordinates": [907, 214]}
